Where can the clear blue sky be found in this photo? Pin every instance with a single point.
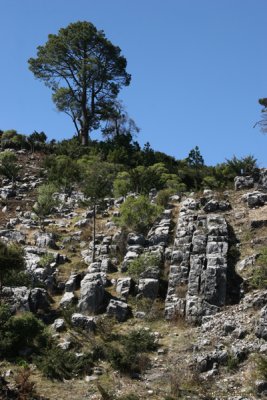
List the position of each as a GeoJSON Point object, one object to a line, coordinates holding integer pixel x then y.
{"type": "Point", "coordinates": [198, 68]}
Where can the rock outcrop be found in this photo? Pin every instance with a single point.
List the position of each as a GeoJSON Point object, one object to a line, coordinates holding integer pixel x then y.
{"type": "Point", "coordinates": [197, 279]}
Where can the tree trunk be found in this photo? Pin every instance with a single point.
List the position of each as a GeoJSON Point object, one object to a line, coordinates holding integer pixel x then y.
{"type": "Point", "coordinates": [84, 136]}
{"type": "Point", "coordinates": [94, 219]}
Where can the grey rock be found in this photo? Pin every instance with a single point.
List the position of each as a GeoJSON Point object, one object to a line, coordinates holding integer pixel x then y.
{"type": "Point", "coordinates": [136, 239]}
{"type": "Point", "coordinates": [263, 179]}
{"type": "Point", "coordinates": [13, 235]}
{"type": "Point", "coordinates": [59, 325]}
{"type": "Point", "coordinates": [123, 286]}
{"type": "Point", "coordinates": [255, 199]}
{"type": "Point", "coordinates": [261, 327]}
{"type": "Point", "coordinates": [243, 182]}
{"type": "Point", "coordinates": [118, 309]}
{"type": "Point", "coordinates": [148, 288]}
{"type": "Point", "coordinates": [44, 239]}
{"type": "Point", "coordinates": [92, 293]}
{"type": "Point", "coordinates": [82, 223]}
{"type": "Point", "coordinates": [261, 387]}
{"type": "Point", "coordinates": [84, 322]}
{"type": "Point", "coordinates": [67, 300]}
{"type": "Point", "coordinates": [24, 299]}
{"type": "Point", "coordinates": [73, 283]}
{"type": "Point", "coordinates": [215, 205]}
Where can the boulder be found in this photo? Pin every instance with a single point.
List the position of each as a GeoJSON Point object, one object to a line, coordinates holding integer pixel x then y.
{"type": "Point", "coordinates": [45, 239]}
{"type": "Point", "coordinates": [92, 293]}
{"type": "Point", "coordinates": [59, 325]}
{"type": "Point", "coordinates": [148, 288]}
{"type": "Point", "coordinates": [123, 286]}
{"type": "Point", "coordinates": [73, 283]}
{"type": "Point", "coordinates": [84, 322]}
{"type": "Point", "coordinates": [216, 205]}
{"type": "Point", "coordinates": [13, 235]}
{"type": "Point", "coordinates": [118, 309]}
{"type": "Point", "coordinates": [243, 182]}
{"type": "Point", "coordinates": [67, 300]}
{"type": "Point", "coordinates": [263, 179]}
{"type": "Point", "coordinates": [261, 326]}
{"type": "Point", "coordinates": [136, 239]}
{"type": "Point", "coordinates": [255, 199]}
{"type": "Point", "coordinates": [24, 299]}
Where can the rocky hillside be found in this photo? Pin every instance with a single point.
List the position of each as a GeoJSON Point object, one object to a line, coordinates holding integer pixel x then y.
{"type": "Point", "coordinates": [194, 306]}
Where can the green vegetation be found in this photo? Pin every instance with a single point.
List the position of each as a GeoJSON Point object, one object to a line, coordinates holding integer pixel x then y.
{"type": "Point", "coordinates": [128, 354]}
{"type": "Point", "coordinates": [259, 276]}
{"type": "Point", "coordinates": [19, 332]}
{"type": "Point", "coordinates": [45, 202]}
{"type": "Point", "coordinates": [9, 165]}
{"type": "Point", "coordinates": [11, 260]}
{"type": "Point", "coordinates": [138, 214]}
{"type": "Point", "coordinates": [59, 364]}
{"type": "Point", "coordinates": [141, 264]}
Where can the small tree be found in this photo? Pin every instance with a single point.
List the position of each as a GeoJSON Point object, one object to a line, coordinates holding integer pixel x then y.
{"type": "Point", "coordinates": [138, 214]}
{"type": "Point", "coordinates": [63, 171]}
{"type": "Point", "coordinates": [36, 139]}
{"type": "Point", "coordinates": [97, 184]}
{"type": "Point", "coordinates": [11, 259]}
{"type": "Point", "coordinates": [122, 184]}
{"type": "Point", "coordinates": [9, 166]}
{"type": "Point", "coordinates": [45, 202]}
{"type": "Point", "coordinates": [196, 162]}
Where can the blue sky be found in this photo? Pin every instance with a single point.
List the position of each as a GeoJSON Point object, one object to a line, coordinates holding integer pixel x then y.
{"type": "Point", "coordinates": [198, 68]}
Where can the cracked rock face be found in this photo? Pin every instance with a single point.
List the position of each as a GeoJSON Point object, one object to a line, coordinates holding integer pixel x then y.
{"type": "Point", "coordinates": [197, 280]}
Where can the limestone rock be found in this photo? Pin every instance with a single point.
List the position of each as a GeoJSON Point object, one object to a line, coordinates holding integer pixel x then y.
{"type": "Point", "coordinates": [67, 300]}
{"type": "Point", "coordinates": [243, 182]}
{"type": "Point", "coordinates": [84, 322]}
{"type": "Point", "coordinates": [59, 325]}
{"type": "Point", "coordinates": [118, 309]}
{"type": "Point", "coordinates": [123, 286]}
{"type": "Point", "coordinates": [44, 239]}
{"type": "Point", "coordinates": [92, 293]}
{"type": "Point", "coordinates": [148, 288]}
{"type": "Point", "coordinates": [261, 327]}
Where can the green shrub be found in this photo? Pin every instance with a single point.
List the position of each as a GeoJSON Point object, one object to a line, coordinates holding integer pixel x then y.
{"type": "Point", "coordinates": [9, 165]}
{"type": "Point", "coordinates": [259, 275]}
{"type": "Point", "coordinates": [19, 332]}
{"type": "Point", "coordinates": [46, 260]}
{"type": "Point", "coordinates": [138, 214]}
{"type": "Point", "coordinates": [141, 264]}
{"type": "Point", "coordinates": [59, 364]}
{"type": "Point", "coordinates": [163, 197]}
{"type": "Point", "coordinates": [261, 363]}
{"type": "Point", "coordinates": [128, 355]}
{"type": "Point", "coordinates": [11, 261]}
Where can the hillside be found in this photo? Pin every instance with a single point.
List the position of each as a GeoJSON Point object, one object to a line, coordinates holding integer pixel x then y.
{"type": "Point", "coordinates": [175, 312]}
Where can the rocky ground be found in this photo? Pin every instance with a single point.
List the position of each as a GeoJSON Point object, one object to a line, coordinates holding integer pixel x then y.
{"type": "Point", "coordinates": [209, 320]}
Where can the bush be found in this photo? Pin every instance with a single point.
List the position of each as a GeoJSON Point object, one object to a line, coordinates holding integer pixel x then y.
{"type": "Point", "coordinates": [46, 260]}
{"type": "Point", "coordinates": [11, 261]}
{"type": "Point", "coordinates": [261, 363]}
{"type": "Point", "coordinates": [129, 354]}
{"type": "Point", "coordinates": [59, 364]}
{"type": "Point", "coordinates": [9, 166]}
{"type": "Point", "coordinates": [45, 202]}
{"type": "Point", "coordinates": [138, 214]}
{"type": "Point", "coordinates": [141, 264]}
{"type": "Point", "coordinates": [163, 197]}
{"type": "Point", "coordinates": [18, 332]}
{"type": "Point", "coordinates": [259, 275]}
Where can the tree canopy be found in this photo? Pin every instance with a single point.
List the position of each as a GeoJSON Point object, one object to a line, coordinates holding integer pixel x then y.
{"type": "Point", "coordinates": [85, 72]}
